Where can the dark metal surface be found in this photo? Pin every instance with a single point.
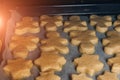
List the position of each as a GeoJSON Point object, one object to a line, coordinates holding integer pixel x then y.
{"type": "Point", "coordinates": [55, 2]}
{"type": "Point", "coordinates": [83, 9]}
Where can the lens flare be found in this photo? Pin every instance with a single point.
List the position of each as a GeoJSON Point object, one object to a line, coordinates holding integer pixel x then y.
{"type": "Point", "coordinates": [0, 21]}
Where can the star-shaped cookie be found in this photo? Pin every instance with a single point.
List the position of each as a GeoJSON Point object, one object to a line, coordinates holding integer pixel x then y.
{"type": "Point", "coordinates": [19, 68]}
{"type": "Point", "coordinates": [102, 23]}
{"type": "Point", "coordinates": [27, 25]}
{"type": "Point", "coordinates": [50, 61]}
{"type": "Point", "coordinates": [86, 39]}
{"type": "Point", "coordinates": [51, 23]}
{"type": "Point", "coordinates": [88, 64]}
{"type": "Point", "coordinates": [49, 75]}
{"type": "Point", "coordinates": [75, 23]}
{"type": "Point", "coordinates": [117, 24]}
{"type": "Point", "coordinates": [22, 45]}
{"type": "Point", "coordinates": [115, 64]}
{"type": "Point", "coordinates": [54, 42]}
{"type": "Point", "coordinates": [81, 76]}
{"type": "Point", "coordinates": [108, 76]}
{"type": "Point", "coordinates": [112, 43]}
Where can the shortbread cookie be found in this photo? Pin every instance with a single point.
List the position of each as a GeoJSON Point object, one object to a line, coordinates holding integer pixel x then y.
{"type": "Point", "coordinates": [27, 25]}
{"type": "Point", "coordinates": [108, 76]}
{"type": "Point", "coordinates": [48, 76]}
{"type": "Point", "coordinates": [118, 17]}
{"type": "Point", "coordinates": [19, 68]}
{"type": "Point", "coordinates": [89, 64]}
{"type": "Point", "coordinates": [54, 42]}
{"type": "Point", "coordinates": [50, 61]}
{"type": "Point", "coordinates": [51, 23]}
{"type": "Point", "coordinates": [86, 39]}
{"type": "Point", "coordinates": [102, 23]}
{"type": "Point", "coordinates": [112, 43]}
{"type": "Point", "coordinates": [117, 24]}
{"type": "Point", "coordinates": [115, 64]}
{"type": "Point", "coordinates": [22, 45]}
{"type": "Point", "coordinates": [81, 76]}
{"type": "Point", "coordinates": [75, 24]}
{"type": "Point", "coordinates": [74, 18]}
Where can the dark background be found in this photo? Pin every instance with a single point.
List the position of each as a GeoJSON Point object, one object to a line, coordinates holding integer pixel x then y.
{"type": "Point", "coordinates": [56, 2]}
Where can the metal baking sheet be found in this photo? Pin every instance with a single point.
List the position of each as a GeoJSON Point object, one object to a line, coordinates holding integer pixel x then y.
{"type": "Point", "coordinates": [69, 67]}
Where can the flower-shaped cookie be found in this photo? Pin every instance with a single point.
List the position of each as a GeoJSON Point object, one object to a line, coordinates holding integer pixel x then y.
{"type": "Point", "coordinates": [54, 42]}
{"type": "Point", "coordinates": [81, 76]}
{"type": "Point", "coordinates": [75, 24]}
{"type": "Point", "coordinates": [108, 76]}
{"type": "Point", "coordinates": [27, 25]}
{"type": "Point", "coordinates": [50, 61]}
{"type": "Point", "coordinates": [117, 24]}
{"type": "Point", "coordinates": [51, 23]}
{"type": "Point", "coordinates": [112, 43]}
{"type": "Point", "coordinates": [21, 45]}
{"type": "Point", "coordinates": [86, 39]}
{"type": "Point", "coordinates": [48, 76]}
{"type": "Point", "coordinates": [102, 23]}
{"type": "Point", "coordinates": [115, 64]}
{"type": "Point", "coordinates": [89, 64]}
{"type": "Point", "coordinates": [19, 68]}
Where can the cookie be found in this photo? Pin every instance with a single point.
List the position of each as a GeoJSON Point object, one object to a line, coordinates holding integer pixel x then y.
{"type": "Point", "coordinates": [81, 76]}
{"type": "Point", "coordinates": [48, 76]}
{"type": "Point", "coordinates": [86, 39]}
{"type": "Point", "coordinates": [51, 23]}
{"type": "Point", "coordinates": [115, 64]}
{"type": "Point", "coordinates": [102, 23]}
{"type": "Point", "coordinates": [27, 25]}
{"type": "Point", "coordinates": [54, 42]}
{"type": "Point", "coordinates": [117, 24]}
{"type": "Point", "coordinates": [22, 45]}
{"type": "Point", "coordinates": [50, 61]}
{"type": "Point", "coordinates": [88, 64]}
{"type": "Point", "coordinates": [74, 18]}
{"type": "Point", "coordinates": [17, 67]}
{"type": "Point", "coordinates": [108, 76]}
{"type": "Point", "coordinates": [112, 43]}
{"type": "Point", "coordinates": [75, 23]}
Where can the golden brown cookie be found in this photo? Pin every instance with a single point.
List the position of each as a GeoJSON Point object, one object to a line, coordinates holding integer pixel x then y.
{"type": "Point", "coordinates": [22, 45]}
{"type": "Point", "coordinates": [50, 61]}
{"type": "Point", "coordinates": [51, 23]}
{"type": "Point", "coordinates": [54, 42]}
{"type": "Point", "coordinates": [115, 64]}
{"type": "Point", "coordinates": [117, 24]}
{"type": "Point", "coordinates": [89, 64]}
{"type": "Point", "coordinates": [75, 23]}
{"type": "Point", "coordinates": [102, 23]}
{"type": "Point", "coordinates": [112, 43]}
{"type": "Point", "coordinates": [19, 68]}
{"type": "Point", "coordinates": [27, 25]}
{"type": "Point", "coordinates": [81, 76]}
{"type": "Point", "coordinates": [48, 76]}
{"type": "Point", "coordinates": [86, 39]}
{"type": "Point", "coordinates": [108, 76]}
{"type": "Point", "coordinates": [74, 18]}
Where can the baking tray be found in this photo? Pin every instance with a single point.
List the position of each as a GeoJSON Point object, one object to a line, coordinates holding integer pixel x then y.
{"type": "Point", "coordinates": [65, 8]}
{"type": "Point", "coordinates": [69, 67]}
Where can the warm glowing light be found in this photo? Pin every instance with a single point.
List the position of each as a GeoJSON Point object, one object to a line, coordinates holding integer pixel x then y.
{"type": "Point", "coordinates": [0, 21]}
